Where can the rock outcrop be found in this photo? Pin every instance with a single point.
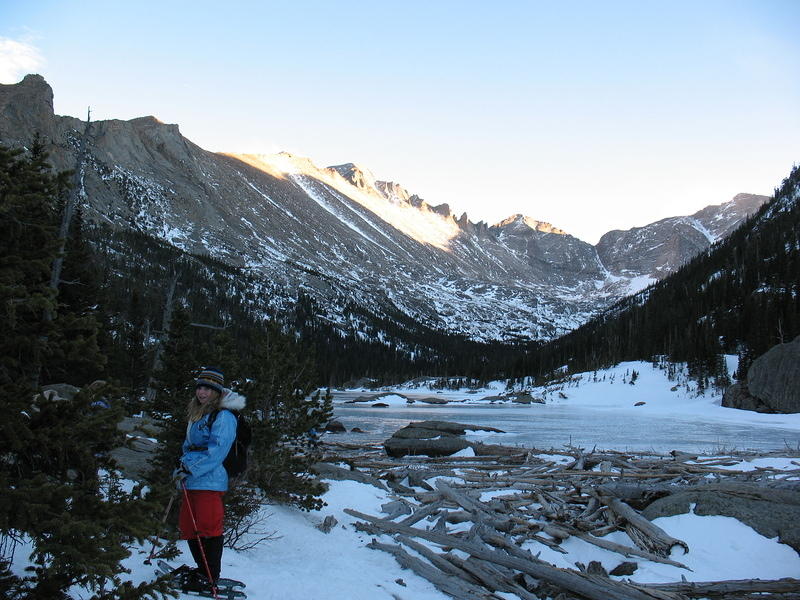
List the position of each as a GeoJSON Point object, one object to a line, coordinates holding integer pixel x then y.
{"type": "Point", "coordinates": [431, 438]}
{"type": "Point", "coordinates": [771, 512]}
{"type": "Point", "coordinates": [773, 382]}
{"type": "Point", "coordinates": [774, 377]}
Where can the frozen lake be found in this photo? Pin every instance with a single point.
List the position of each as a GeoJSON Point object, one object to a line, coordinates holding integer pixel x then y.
{"type": "Point", "coordinates": [548, 426]}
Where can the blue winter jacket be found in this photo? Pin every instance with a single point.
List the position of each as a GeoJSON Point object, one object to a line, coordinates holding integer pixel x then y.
{"type": "Point", "coordinates": [204, 449]}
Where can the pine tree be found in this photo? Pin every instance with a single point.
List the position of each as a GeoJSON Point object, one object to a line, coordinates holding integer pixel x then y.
{"type": "Point", "coordinates": [57, 482]}
{"type": "Point", "coordinates": [174, 388]}
{"type": "Point", "coordinates": [285, 413]}
{"type": "Point", "coordinates": [27, 248]}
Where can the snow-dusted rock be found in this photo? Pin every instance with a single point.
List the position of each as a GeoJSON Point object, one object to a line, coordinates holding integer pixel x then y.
{"type": "Point", "coordinates": [771, 512]}
{"type": "Point", "coordinates": [431, 438]}
{"type": "Point", "coordinates": [774, 377]}
{"type": "Point", "coordinates": [773, 382]}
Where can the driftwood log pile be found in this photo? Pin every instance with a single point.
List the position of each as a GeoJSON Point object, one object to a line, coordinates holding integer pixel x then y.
{"type": "Point", "coordinates": [462, 522]}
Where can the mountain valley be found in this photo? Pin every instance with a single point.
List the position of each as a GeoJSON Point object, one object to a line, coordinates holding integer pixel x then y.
{"type": "Point", "coordinates": [355, 245]}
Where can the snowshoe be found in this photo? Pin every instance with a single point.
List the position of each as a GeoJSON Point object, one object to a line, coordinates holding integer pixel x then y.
{"type": "Point", "coordinates": [194, 582]}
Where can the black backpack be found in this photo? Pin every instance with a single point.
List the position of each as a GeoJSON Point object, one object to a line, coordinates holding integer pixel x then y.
{"type": "Point", "coordinates": [236, 461]}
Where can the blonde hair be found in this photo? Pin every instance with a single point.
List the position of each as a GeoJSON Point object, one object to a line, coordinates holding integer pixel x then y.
{"type": "Point", "coordinates": [195, 410]}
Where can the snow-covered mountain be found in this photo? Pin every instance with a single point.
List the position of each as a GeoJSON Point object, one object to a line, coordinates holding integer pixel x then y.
{"type": "Point", "coordinates": [345, 239]}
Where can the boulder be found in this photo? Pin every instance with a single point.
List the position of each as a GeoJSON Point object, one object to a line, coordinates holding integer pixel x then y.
{"type": "Point", "coordinates": [374, 397]}
{"type": "Point", "coordinates": [439, 446]}
{"type": "Point", "coordinates": [738, 396]}
{"type": "Point", "coordinates": [368, 398]}
{"type": "Point", "coordinates": [60, 391]}
{"type": "Point", "coordinates": [432, 400]}
{"type": "Point", "coordinates": [431, 438]}
{"type": "Point", "coordinates": [770, 511]}
{"type": "Point", "coordinates": [450, 427]}
{"type": "Point", "coordinates": [141, 444]}
{"type": "Point", "coordinates": [134, 459]}
{"type": "Point", "coordinates": [335, 427]}
{"type": "Point", "coordinates": [774, 377]}
{"type": "Point", "coordinates": [525, 398]}
{"type": "Point", "coordinates": [419, 433]}
{"type": "Point", "coordinates": [494, 399]}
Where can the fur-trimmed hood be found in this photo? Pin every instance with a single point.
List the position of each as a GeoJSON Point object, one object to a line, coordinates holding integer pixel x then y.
{"type": "Point", "coordinates": [231, 400]}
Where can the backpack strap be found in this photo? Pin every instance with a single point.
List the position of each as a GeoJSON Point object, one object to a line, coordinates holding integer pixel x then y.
{"type": "Point", "coordinates": [213, 416]}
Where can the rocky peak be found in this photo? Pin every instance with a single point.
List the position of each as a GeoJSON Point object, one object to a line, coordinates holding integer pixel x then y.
{"type": "Point", "coordinates": [358, 176]}
{"type": "Point", "coordinates": [442, 209]}
{"type": "Point", "coordinates": [662, 247]}
{"type": "Point", "coordinates": [27, 105]}
{"type": "Point", "coordinates": [393, 191]}
{"type": "Point", "coordinates": [721, 219]}
{"type": "Point", "coordinates": [519, 223]}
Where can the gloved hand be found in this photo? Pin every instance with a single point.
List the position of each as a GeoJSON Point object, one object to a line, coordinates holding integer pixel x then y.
{"type": "Point", "coordinates": [179, 474]}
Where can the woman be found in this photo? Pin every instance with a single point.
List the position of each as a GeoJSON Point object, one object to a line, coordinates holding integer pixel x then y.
{"type": "Point", "coordinates": [201, 476]}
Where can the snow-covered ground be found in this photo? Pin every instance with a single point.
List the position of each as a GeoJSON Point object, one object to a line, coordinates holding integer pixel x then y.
{"type": "Point", "coordinates": [304, 563]}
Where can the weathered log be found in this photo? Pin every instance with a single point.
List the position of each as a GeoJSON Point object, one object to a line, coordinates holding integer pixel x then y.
{"type": "Point", "coordinates": [400, 489]}
{"type": "Point", "coordinates": [567, 579]}
{"type": "Point", "coordinates": [449, 584]}
{"type": "Point", "coordinates": [555, 532]}
{"type": "Point", "coordinates": [474, 507]}
{"type": "Point", "coordinates": [497, 540]}
{"type": "Point", "coordinates": [427, 497]}
{"type": "Point", "coordinates": [441, 524]}
{"type": "Point", "coordinates": [396, 508]}
{"type": "Point", "coordinates": [626, 551]}
{"type": "Point", "coordinates": [438, 561]}
{"type": "Point", "coordinates": [722, 589]}
{"type": "Point", "coordinates": [459, 516]}
{"type": "Point", "coordinates": [329, 471]}
{"type": "Point", "coordinates": [493, 577]}
{"type": "Point", "coordinates": [645, 534]}
{"type": "Point", "coordinates": [422, 513]}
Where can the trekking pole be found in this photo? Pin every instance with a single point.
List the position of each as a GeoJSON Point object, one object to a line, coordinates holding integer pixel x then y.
{"type": "Point", "coordinates": [199, 541]}
{"type": "Point", "coordinates": [149, 559]}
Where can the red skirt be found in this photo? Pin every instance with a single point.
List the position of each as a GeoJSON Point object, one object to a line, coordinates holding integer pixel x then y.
{"type": "Point", "coordinates": [201, 515]}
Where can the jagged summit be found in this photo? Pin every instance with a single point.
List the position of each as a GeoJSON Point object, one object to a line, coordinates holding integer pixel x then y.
{"type": "Point", "coordinates": [521, 221]}
{"type": "Point", "coordinates": [359, 176]}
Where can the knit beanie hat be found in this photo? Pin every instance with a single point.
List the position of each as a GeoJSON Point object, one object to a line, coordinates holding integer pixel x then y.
{"type": "Point", "coordinates": [211, 377]}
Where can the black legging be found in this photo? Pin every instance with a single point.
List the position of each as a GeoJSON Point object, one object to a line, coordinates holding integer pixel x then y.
{"type": "Point", "coordinates": [213, 551]}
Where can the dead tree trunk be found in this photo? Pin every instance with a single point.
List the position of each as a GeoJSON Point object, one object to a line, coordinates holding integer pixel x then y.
{"type": "Point", "coordinates": [166, 322]}
{"type": "Point", "coordinates": [69, 206]}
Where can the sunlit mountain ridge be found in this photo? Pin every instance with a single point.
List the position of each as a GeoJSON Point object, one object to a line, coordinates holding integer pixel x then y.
{"type": "Point", "coordinates": [364, 250]}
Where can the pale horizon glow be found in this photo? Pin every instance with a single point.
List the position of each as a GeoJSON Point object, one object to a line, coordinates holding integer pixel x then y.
{"type": "Point", "coordinates": [590, 116]}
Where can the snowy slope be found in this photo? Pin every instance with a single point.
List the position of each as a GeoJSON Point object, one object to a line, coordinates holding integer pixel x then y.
{"type": "Point", "coordinates": [347, 240]}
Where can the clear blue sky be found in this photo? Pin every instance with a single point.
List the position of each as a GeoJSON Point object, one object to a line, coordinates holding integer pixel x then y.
{"type": "Point", "coordinates": [589, 115]}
